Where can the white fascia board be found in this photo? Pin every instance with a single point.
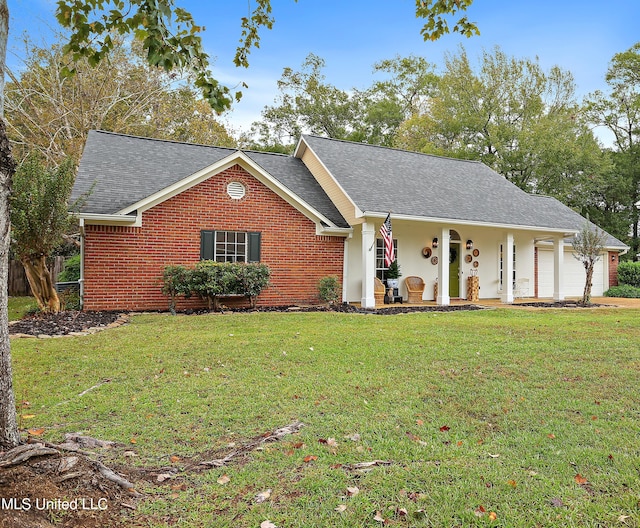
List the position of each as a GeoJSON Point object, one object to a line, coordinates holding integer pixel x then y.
{"type": "Point", "coordinates": [334, 231]}
{"type": "Point", "coordinates": [456, 221]}
{"type": "Point", "coordinates": [237, 158]}
{"type": "Point", "coordinates": [110, 219]}
{"type": "Point", "coordinates": [300, 150]}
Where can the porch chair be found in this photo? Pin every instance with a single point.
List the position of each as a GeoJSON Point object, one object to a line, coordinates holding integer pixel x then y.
{"type": "Point", "coordinates": [378, 290]}
{"type": "Point", "coordinates": [415, 288]}
{"type": "Point", "coordinates": [521, 288]}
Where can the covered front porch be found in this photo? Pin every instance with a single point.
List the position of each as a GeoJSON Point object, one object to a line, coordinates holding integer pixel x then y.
{"type": "Point", "coordinates": [473, 262]}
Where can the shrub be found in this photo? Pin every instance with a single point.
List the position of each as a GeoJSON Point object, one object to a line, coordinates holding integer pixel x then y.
{"type": "Point", "coordinates": [176, 280]}
{"type": "Point", "coordinates": [624, 290]}
{"type": "Point", "coordinates": [329, 289]}
{"type": "Point", "coordinates": [629, 273]}
{"type": "Point", "coordinates": [253, 278]}
{"type": "Point", "coordinates": [210, 280]}
{"type": "Point", "coordinates": [71, 271]}
{"type": "Point", "coordinates": [70, 299]}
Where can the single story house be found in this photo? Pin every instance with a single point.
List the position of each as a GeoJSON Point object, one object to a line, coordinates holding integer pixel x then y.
{"type": "Point", "coordinates": [152, 203]}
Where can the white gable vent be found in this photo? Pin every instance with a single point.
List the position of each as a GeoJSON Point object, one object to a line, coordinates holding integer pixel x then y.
{"type": "Point", "coordinates": [236, 190]}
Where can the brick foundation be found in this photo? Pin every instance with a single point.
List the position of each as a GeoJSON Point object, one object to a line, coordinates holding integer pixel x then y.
{"type": "Point", "coordinates": [123, 265]}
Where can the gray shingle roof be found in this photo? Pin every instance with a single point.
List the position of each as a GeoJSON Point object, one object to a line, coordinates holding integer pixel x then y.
{"type": "Point", "coordinates": [380, 179]}
{"type": "Point", "coordinates": [122, 170]}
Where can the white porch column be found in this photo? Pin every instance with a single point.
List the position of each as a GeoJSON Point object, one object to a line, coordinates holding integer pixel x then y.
{"type": "Point", "coordinates": [443, 268]}
{"type": "Point", "coordinates": [558, 268]}
{"type": "Point", "coordinates": [507, 269]}
{"type": "Point", "coordinates": [368, 265]}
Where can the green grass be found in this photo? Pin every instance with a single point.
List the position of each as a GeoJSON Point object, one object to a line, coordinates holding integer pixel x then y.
{"type": "Point", "coordinates": [19, 306]}
{"type": "Point", "coordinates": [499, 409]}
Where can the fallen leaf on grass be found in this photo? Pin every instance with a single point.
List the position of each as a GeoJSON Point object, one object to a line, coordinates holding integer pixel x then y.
{"type": "Point", "coordinates": [262, 496]}
{"type": "Point", "coordinates": [580, 479]}
{"type": "Point", "coordinates": [28, 416]}
{"type": "Point", "coordinates": [36, 432]}
{"type": "Point", "coordinates": [174, 459]}
{"type": "Point", "coordinates": [341, 508]}
{"type": "Point", "coordinates": [332, 442]}
{"type": "Point", "coordinates": [310, 458]}
{"type": "Point", "coordinates": [557, 503]}
{"type": "Point", "coordinates": [493, 516]}
{"type": "Point", "coordinates": [413, 437]}
{"type": "Point", "coordinates": [494, 456]}
{"type": "Point", "coordinates": [419, 422]}
{"type": "Point", "coordinates": [353, 491]}
{"type": "Point", "coordinates": [224, 479]}
{"type": "Point", "coordinates": [480, 511]}
{"type": "Point", "coordinates": [551, 435]}
{"type": "Point", "coordinates": [378, 517]}
{"type": "Point", "coordinates": [164, 476]}
{"type": "Point", "coordinates": [512, 483]}
{"type": "Point", "coordinates": [267, 524]}
{"type": "Point", "coordinates": [444, 428]}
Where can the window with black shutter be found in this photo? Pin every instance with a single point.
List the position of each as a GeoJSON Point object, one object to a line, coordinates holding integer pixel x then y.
{"type": "Point", "coordinates": [230, 246]}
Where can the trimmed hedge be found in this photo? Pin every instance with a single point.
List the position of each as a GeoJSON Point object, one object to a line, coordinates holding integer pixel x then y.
{"type": "Point", "coordinates": [211, 280]}
{"type": "Point", "coordinates": [624, 290]}
{"type": "Point", "coordinates": [629, 273]}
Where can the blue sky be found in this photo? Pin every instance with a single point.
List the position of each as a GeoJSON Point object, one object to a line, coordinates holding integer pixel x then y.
{"type": "Point", "coordinates": [351, 35]}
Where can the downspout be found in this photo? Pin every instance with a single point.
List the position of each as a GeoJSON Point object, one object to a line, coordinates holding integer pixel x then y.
{"type": "Point", "coordinates": [81, 280]}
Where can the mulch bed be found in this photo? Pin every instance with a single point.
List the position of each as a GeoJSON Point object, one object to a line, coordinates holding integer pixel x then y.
{"type": "Point", "coordinates": [62, 323]}
{"type": "Point", "coordinates": [65, 323]}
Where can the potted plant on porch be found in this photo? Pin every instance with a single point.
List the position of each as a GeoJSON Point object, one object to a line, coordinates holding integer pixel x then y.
{"type": "Point", "coordinates": [392, 274]}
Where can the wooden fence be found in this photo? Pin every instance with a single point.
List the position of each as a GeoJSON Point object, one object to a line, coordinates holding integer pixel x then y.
{"type": "Point", "coordinates": [18, 283]}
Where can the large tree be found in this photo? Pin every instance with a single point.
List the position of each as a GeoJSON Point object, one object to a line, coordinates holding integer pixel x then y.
{"type": "Point", "coordinates": [513, 116]}
{"type": "Point", "coordinates": [51, 113]}
{"type": "Point", "coordinates": [39, 219]}
{"type": "Point", "coordinates": [171, 40]}
{"type": "Point", "coordinates": [619, 112]}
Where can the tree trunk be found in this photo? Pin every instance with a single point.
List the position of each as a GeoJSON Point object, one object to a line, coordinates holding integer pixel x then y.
{"type": "Point", "coordinates": [41, 283]}
{"type": "Point", "coordinates": [586, 295]}
{"type": "Point", "coordinates": [9, 435]}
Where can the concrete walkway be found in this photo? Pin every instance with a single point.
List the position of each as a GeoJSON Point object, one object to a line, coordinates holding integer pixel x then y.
{"type": "Point", "coordinates": [608, 302]}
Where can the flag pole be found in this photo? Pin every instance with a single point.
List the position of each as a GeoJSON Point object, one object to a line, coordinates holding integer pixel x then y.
{"type": "Point", "coordinates": [374, 241]}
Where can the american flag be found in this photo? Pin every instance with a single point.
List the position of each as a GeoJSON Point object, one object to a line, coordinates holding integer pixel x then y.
{"type": "Point", "coordinates": [387, 236]}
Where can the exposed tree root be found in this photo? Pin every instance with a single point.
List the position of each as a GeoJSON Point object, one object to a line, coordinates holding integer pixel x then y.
{"type": "Point", "coordinates": [274, 436]}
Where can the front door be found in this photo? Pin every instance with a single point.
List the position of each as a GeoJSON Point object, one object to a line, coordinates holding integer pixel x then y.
{"type": "Point", "coordinates": [454, 270]}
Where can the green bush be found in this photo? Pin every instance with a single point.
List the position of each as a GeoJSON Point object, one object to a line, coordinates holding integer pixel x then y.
{"type": "Point", "coordinates": [629, 273]}
{"type": "Point", "coordinates": [211, 280]}
{"type": "Point", "coordinates": [71, 271]}
{"type": "Point", "coordinates": [176, 280]}
{"type": "Point", "coordinates": [329, 289]}
{"type": "Point", "coordinates": [624, 290]}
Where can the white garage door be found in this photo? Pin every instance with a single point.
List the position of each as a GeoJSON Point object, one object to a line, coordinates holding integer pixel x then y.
{"type": "Point", "coordinates": [574, 275]}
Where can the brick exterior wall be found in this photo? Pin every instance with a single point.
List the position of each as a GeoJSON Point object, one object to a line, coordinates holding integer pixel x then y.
{"type": "Point", "coordinates": [123, 265]}
{"type": "Point", "coordinates": [613, 268]}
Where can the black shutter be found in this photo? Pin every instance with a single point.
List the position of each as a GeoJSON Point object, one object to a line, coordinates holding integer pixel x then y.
{"type": "Point", "coordinates": [206, 244]}
{"type": "Point", "coordinates": [253, 254]}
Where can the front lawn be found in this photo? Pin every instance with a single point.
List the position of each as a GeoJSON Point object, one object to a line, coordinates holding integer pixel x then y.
{"type": "Point", "coordinates": [494, 418]}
